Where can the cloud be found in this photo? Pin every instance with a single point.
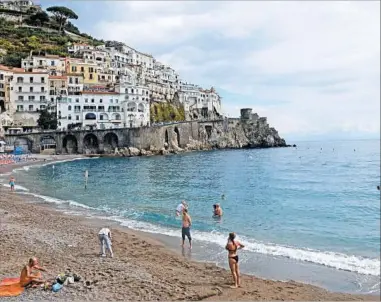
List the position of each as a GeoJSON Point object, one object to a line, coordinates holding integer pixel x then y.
{"type": "Point", "coordinates": [310, 67]}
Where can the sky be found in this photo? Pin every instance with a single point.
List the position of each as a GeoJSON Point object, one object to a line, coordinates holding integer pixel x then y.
{"type": "Point", "coordinates": [311, 67]}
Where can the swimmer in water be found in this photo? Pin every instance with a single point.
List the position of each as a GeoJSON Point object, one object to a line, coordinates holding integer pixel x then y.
{"type": "Point", "coordinates": [223, 196]}
{"type": "Point", "coordinates": [217, 211]}
{"type": "Point", "coordinates": [12, 181]}
{"type": "Point", "coordinates": [378, 188]}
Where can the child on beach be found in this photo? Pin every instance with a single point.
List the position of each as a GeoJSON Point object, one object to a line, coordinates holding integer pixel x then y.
{"type": "Point", "coordinates": [12, 181]}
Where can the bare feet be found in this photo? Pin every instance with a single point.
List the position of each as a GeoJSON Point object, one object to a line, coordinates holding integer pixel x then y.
{"type": "Point", "coordinates": [234, 286]}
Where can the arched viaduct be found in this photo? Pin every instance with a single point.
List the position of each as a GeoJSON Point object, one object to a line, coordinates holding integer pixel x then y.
{"type": "Point", "coordinates": [105, 141]}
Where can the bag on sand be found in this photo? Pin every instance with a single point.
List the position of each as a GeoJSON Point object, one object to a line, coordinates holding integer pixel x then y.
{"type": "Point", "coordinates": [56, 287]}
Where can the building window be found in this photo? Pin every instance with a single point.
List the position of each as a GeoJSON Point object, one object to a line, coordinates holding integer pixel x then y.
{"type": "Point", "coordinates": [70, 80]}
{"type": "Point", "coordinates": [92, 100]}
{"type": "Point", "coordinates": [30, 107]}
{"type": "Point", "coordinates": [42, 107]}
{"type": "Point", "coordinates": [21, 98]}
{"type": "Point", "coordinates": [30, 89]}
{"type": "Point", "coordinates": [31, 98]}
{"type": "Point", "coordinates": [51, 84]}
{"type": "Point", "coordinates": [77, 100]}
{"type": "Point", "coordinates": [74, 68]}
{"type": "Point", "coordinates": [111, 101]}
{"type": "Point", "coordinates": [69, 117]}
{"type": "Point", "coordinates": [20, 89]}
{"type": "Point", "coordinates": [20, 108]}
{"type": "Point", "coordinates": [31, 79]}
{"type": "Point", "coordinates": [116, 101]}
{"type": "Point", "coordinates": [69, 100]}
{"type": "Point", "coordinates": [42, 80]}
{"type": "Point", "coordinates": [77, 117]}
{"type": "Point", "coordinates": [86, 100]}
{"type": "Point", "coordinates": [100, 100]}
{"type": "Point", "coordinates": [69, 108]}
{"type": "Point", "coordinates": [51, 63]}
{"type": "Point", "coordinates": [42, 89]}
{"type": "Point", "coordinates": [42, 98]}
{"type": "Point", "coordinates": [76, 81]}
{"type": "Point", "coordinates": [63, 84]}
{"type": "Point", "coordinates": [91, 76]}
{"type": "Point", "coordinates": [82, 69]}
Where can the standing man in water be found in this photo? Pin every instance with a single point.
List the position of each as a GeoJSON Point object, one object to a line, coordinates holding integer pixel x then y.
{"type": "Point", "coordinates": [12, 181]}
{"type": "Point", "coordinates": [185, 231]}
{"type": "Point", "coordinates": [86, 178]}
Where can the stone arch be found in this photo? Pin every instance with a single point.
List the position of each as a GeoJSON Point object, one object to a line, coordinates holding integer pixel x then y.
{"type": "Point", "coordinates": [90, 116]}
{"type": "Point", "coordinates": [116, 116]}
{"type": "Point", "coordinates": [110, 142]}
{"type": "Point", "coordinates": [70, 144]}
{"type": "Point", "coordinates": [103, 117]}
{"type": "Point", "coordinates": [47, 142]}
{"type": "Point", "coordinates": [131, 106]}
{"type": "Point", "coordinates": [177, 136]}
{"type": "Point", "coordinates": [24, 144]}
{"type": "Point", "coordinates": [90, 144]}
{"type": "Point", "coordinates": [166, 142]}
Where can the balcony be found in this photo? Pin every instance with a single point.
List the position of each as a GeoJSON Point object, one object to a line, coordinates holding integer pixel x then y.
{"type": "Point", "coordinates": [31, 92]}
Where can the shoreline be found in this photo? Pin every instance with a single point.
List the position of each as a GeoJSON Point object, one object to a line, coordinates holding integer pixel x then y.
{"type": "Point", "coordinates": [186, 276]}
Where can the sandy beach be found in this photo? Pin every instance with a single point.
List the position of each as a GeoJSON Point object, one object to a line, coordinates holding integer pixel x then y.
{"type": "Point", "coordinates": [142, 269]}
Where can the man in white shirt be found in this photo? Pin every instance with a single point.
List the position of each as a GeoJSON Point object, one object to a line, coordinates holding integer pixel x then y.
{"type": "Point", "coordinates": [105, 239]}
{"type": "Point", "coordinates": [179, 210]}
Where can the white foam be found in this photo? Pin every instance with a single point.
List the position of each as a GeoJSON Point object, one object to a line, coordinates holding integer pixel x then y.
{"type": "Point", "coordinates": [17, 187]}
{"type": "Point", "coordinates": [60, 201]}
{"type": "Point", "coordinates": [365, 266]}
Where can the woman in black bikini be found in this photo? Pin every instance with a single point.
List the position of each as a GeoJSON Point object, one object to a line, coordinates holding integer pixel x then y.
{"type": "Point", "coordinates": [232, 247]}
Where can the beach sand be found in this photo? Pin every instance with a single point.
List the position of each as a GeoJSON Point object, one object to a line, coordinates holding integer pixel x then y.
{"type": "Point", "coordinates": [142, 268]}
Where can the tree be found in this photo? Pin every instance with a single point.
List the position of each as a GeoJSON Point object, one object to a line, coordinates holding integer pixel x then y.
{"type": "Point", "coordinates": [38, 19]}
{"type": "Point", "coordinates": [33, 44]}
{"type": "Point", "coordinates": [62, 14]}
{"type": "Point", "coordinates": [47, 120]}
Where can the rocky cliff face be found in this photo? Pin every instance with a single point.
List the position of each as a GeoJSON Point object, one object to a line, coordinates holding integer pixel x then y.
{"type": "Point", "coordinates": [240, 134]}
{"type": "Point", "coordinates": [229, 134]}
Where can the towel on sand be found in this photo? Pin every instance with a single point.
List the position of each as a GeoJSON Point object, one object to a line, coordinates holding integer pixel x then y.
{"type": "Point", "coordinates": [11, 287]}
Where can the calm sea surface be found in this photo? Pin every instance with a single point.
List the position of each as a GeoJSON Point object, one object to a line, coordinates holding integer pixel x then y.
{"type": "Point", "coordinates": [310, 213]}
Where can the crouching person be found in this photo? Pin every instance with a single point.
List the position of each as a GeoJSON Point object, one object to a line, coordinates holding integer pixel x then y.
{"type": "Point", "coordinates": [105, 240]}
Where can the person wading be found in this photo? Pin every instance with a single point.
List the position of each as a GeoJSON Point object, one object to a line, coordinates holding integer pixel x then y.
{"type": "Point", "coordinates": [232, 246]}
{"type": "Point", "coordinates": [185, 231]}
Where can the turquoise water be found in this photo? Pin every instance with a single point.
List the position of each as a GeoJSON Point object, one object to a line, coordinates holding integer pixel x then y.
{"type": "Point", "coordinates": [315, 205]}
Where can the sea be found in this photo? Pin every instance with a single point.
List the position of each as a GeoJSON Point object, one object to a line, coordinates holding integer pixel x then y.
{"type": "Point", "coordinates": [309, 213]}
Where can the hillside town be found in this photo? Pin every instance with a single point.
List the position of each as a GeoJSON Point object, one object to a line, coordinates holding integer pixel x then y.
{"type": "Point", "coordinates": [97, 87]}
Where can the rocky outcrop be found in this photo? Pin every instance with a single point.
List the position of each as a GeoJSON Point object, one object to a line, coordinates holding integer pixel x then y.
{"type": "Point", "coordinates": [249, 131]}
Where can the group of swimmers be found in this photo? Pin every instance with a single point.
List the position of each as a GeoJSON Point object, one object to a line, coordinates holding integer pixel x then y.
{"type": "Point", "coordinates": [232, 245]}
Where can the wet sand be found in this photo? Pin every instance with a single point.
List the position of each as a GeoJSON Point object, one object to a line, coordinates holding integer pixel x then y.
{"type": "Point", "coordinates": [142, 268]}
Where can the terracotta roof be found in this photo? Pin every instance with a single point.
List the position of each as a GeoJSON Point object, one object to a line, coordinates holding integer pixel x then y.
{"type": "Point", "coordinates": [30, 72]}
{"type": "Point", "coordinates": [13, 69]}
{"type": "Point", "coordinates": [58, 77]}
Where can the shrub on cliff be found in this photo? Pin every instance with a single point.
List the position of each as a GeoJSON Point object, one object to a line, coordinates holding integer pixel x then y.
{"type": "Point", "coordinates": [47, 120]}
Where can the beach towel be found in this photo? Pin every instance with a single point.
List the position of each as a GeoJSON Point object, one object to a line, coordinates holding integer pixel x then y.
{"type": "Point", "coordinates": [11, 287]}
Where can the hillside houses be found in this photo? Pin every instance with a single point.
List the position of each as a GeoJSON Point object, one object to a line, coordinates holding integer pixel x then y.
{"type": "Point", "coordinates": [98, 87]}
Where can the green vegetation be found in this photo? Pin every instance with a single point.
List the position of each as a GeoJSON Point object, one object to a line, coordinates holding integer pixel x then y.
{"type": "Point", "coordinates": [166, 112]}
{"type": "Point", "coordinates": [61, 14]}
{"type": "Point", "coordinates": [47, 120]}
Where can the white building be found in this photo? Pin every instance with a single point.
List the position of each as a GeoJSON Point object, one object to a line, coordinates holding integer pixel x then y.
{"type": "Point", "coordinates": [103, 110]}
{"type": "Point", "coordinates": [55, 65]}
{"type": "Point", "coordinates": [30, 93]}
{"type": "Point", "coordinates": [73, 48]}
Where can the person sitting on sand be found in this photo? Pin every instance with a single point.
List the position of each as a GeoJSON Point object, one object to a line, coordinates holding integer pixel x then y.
{"type": "Point", "coordinates": [105, 239]}
{"type": "Point", "coordinates": [232, 246]}
{"type": "Point", "coordinates": [217, 211]}
{"type": "Point", "coordinates": [12, 181]}
{"type": "Point", "coordinates": [183, 205]}
{"type": "Point", "coordinates": [28, 275]}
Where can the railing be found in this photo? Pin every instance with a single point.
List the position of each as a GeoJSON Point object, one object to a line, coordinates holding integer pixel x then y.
{"type": "Point", "coordinates": [31, 92]}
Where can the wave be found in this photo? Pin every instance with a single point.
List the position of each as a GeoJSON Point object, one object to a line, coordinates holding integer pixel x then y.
{"type": "Point", "coordinates": [17, 187]}
{"type": "Point", "coordinates": [60, 201]}
{"type": "Point", "coordinates": [340, 261]}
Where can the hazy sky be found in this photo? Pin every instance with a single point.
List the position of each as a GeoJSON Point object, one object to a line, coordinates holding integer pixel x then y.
{"type": "Point", "coordinates": [312, 67]}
